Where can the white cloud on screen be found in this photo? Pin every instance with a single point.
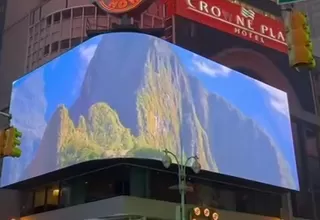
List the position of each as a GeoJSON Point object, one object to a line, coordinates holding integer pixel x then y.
{"type": "Point", "coordinates": [55, 62]}
{"type": "Point", "coordinates": [210, 68]}
{"type": "Point", "coordinates": [28, 108]}
{"type": "Point", "coordinates": [87, 52]}
{"type": "Point", "coordinates": [28, 99]}
{"type": "Point", "coordinates": [278, 99]}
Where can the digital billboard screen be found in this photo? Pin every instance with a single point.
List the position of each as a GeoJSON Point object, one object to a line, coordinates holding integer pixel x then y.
{"type": "Point", "coordinates": [130, 95]}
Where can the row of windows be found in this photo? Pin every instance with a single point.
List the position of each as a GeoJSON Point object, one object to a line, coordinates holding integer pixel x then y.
{"type": "Point", "coordinates": [152, 184]}
{"type": "Point", "coordinates": [36, 58]}
{"type": "Point", "coordinates": [37, 50]}
{"type": "Point", "coordinates": [75, 13]}
{"type": "Point", "coordinates": [36, 15]}
{"type": "Point", "coordinates": [63, 44]}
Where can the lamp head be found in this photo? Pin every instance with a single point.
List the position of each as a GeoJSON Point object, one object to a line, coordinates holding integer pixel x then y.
{"type": "Point", "coordinates": [166, 160]}
{"type": "Point", "coordinates": [196, 166]}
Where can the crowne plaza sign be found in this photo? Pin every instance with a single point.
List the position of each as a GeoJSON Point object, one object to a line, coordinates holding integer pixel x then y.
{"type": "Point", "coordinates": [237, 20]}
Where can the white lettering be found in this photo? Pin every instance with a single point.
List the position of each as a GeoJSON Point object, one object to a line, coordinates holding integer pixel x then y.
{"type": "Point", "coordinates": [239, 20]}
{"type": "Point", "coordinates": [216, 11]}
{"type": "Point", "coordinates": [245, 27]}
{"type": "Point", "coordinates": [248, 34]}
{"type": "Point", "coordinates": [271, 33]}
{"type": "Point", "coordinates": [190, 4]}
{"type": "Point", "coordinates": [281, 37]}
{"type": "Point", "coordinates": [264, 29]}
{"type": "Point", "coordinates": [203, 6]}
{"type": "Point", "coordinates": [249, 24]}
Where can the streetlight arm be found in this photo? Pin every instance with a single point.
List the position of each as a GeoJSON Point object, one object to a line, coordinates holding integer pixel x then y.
{"type": "Point", "coordinates": [189, 158]}
{"type": "Point", "coordinates": [172, 154]}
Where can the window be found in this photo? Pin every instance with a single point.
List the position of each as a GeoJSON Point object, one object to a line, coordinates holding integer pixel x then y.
{"type": "Point", "coordinates": [52, 197]}
{"type": "Point", "coordinates": [100, 186]}
{"type": "Point", "coordinates": [32, 18]}
{"type": "Point", "coordinates": [314, 170]}
{"type": "Point", "coordinates": [73, 192]}
{"type": "Point", "coordinates": [56, 17]}
{"type": "Point", "coordinates": [77, 12]}
{"type": "Point", "coordinates": [100, 12]}
{"type": "Point", "coordinates": [165, 191]}
{"type": "Point", "coordinates": [157, 22]}
{"type": "Point", "coordinates": [203, 194]}
{"type": "Point", "coordinates": [39, 200]}
{"type": "Point", "coordinates": [168, 22]}
{"type": "Point", "coordinates": [311, 144]}
{"type": "Point", "coordinates": [75, 41]}
{"type": "Point", "coordinates": [66, 14]}
{"type": "Point", "coordinates": [46, 50]}
{"type": "Point", "coordinates": [64, 44]}
{"type": "Point", "coordinates": [89, 11]}
{"type": "Point", "coordinates": [302, 205]}
{"type": "Point", "coordinates": [147, 20]}
{"type": "Point", "coordinates": [49, 20]}
{"type": "Point", "coordinates": [55, 46]}
{"type": "Point", "coordinates": [26, 202]}
{"type": "Point", "coordinates": [168, 32]}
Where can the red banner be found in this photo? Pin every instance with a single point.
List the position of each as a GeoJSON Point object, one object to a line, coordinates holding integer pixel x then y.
{"type": "Point", "coordinates": [236, 20]}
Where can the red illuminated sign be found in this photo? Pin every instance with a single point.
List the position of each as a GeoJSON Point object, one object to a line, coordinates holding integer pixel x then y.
{"type": "Point", "coordinates": [119, 6]}
{"type": "Point", "coordinates": [235, 19]}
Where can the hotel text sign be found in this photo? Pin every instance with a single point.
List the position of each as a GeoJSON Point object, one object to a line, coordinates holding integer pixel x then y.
{"type": "Point", "coordinates": [237, 20]}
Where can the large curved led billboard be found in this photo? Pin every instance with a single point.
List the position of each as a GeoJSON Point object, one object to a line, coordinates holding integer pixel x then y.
{"type": "Point", "coordinates": [133, 95]}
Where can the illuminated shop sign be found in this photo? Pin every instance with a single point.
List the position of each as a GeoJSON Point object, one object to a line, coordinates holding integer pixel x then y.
{"type": "Point", "coordinates": [237, 20]}
{"type": "Point", "coordinates": [119, 6]}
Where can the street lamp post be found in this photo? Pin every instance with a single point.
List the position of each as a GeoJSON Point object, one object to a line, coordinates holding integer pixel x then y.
{"type": "Point", "coordinates": [196, 167]}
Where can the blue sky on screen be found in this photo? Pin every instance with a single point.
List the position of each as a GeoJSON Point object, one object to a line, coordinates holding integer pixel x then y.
{"type": "Point", "coordinates": [267, 105]}
{"type": "Point", "coordinates": [66, 68]}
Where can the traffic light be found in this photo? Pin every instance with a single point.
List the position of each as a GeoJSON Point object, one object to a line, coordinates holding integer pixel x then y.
{"type": "Point", "coordinates": [9, 142]}
{"type": "Point", "coordinates": [298, 36]}
{"type": "Point", "coordinates": [203, 213]}
{"type": "Point", "coordinates": [2, 142]}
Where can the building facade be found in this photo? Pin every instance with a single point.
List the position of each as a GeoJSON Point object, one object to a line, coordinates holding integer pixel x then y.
{"type": "Point", "coordinates": [42, 30]}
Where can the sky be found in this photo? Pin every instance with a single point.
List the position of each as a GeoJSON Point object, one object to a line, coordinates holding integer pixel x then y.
{"type": "Point", "coordinates": [266, 105]}
{"type": "Point", "coordinates": [65, 72]}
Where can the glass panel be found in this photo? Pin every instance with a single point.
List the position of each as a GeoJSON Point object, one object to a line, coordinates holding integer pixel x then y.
{"type": "Point", "coordinates": [302, 205]}
{"type": "Point", "coordinates": [53, 193]}
{"type": "Point", "coordinates": [311, 144]}
{"type": "Point", "coordinates": [314, 170]}
{"type": "Point", "coordinates": [73, 192]}
{"type": "Point", "coordinates": [26, 203]}
{"type": "Point", "coordinates": [66, 14]}
{"type": "Point", "coordinates": [163, 186]}
{"type": "Point", "coordinates": [107, 183]}
{"type": "Point", "coordinates": [39, 200]}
